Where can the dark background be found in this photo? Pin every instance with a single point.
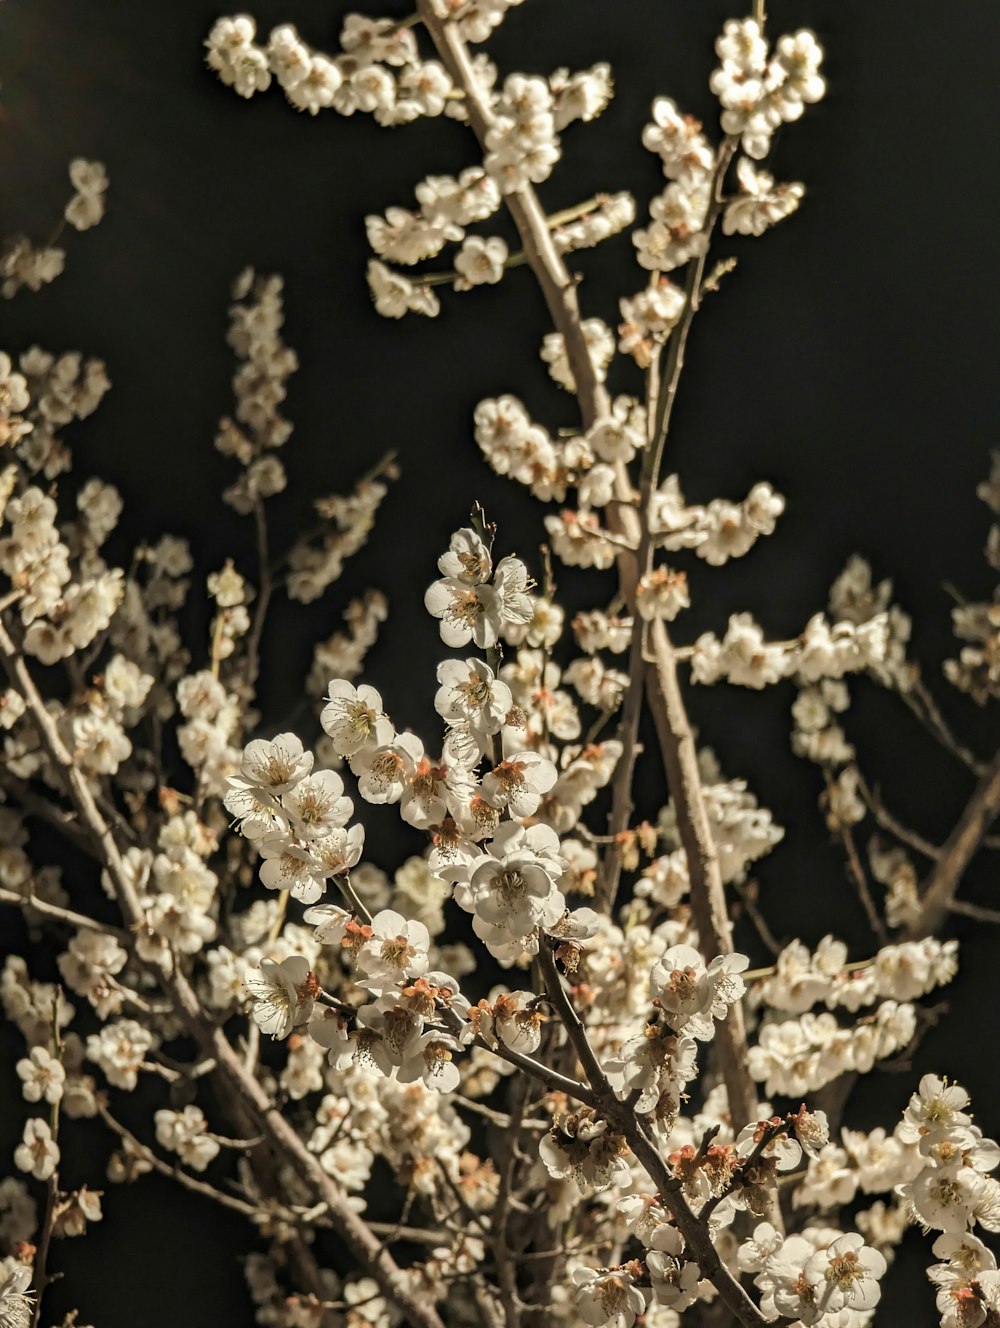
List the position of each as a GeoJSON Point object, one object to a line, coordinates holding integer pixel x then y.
{"type": "Point", "coordinates": [848, 360]}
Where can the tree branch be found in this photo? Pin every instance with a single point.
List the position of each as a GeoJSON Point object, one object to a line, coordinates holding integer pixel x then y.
{"type": "Point", "coordinates": [708, 901]}
{"type": "Point", "coordinates": [956, 853]}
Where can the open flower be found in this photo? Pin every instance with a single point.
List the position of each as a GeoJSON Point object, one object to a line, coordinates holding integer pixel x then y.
{"type": "Point", "coordinates": [396, 949]}
{"type": "Point", "coordinates": [354, 718]}
{"type": "Point", "coordinates": [277, 765]}
{"type": "Point", "coordinates": [316, 806]}
{"type": "Point", "coordinates": [467, 612]}
{"type": "Point", "coordinates": [283, 995]}
{"type": "Point", "coordinates": [38, 1152]}
{"type": "Point", "coordinates": [609, 1297]}
{"type": "Point", "coordinates": [16, 1301]}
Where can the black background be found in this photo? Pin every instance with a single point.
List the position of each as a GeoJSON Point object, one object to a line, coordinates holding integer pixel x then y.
{"type": "Point", "coordinates": [848, 360]}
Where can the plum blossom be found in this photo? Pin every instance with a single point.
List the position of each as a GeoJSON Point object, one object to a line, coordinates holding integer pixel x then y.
{"type": "Point", "coordinates": [38, 1152]}
{"type": "Point", "coordinates": [383, 769]}
{"type": "Point", "coordinates": [283, 995]}
{"type": "Point", "coordinates": [608, 1297]}
{"type": "Point", "coordinates": [395, 950]}
{"type": "Point", "coordinates": [693, 996]}
{"type": "Point", "coordinates": [353, 717]}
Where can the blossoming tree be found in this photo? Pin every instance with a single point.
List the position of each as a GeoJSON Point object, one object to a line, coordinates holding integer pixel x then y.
{"type": "Point", "coordinates": [588, 1106]}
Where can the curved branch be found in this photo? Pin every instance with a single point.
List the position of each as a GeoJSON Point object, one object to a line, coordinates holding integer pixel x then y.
{"type": "Point", "coordinates": [956, 853]}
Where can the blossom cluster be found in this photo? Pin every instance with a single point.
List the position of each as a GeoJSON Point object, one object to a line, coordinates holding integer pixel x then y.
{"type": "Point", "coordinates": [537, 1025]}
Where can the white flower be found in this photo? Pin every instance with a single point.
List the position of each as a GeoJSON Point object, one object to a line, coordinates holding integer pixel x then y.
{"type": "Point", "coordinates": [275, 765]}
{"type": "Point", "coordinates": [760, 203]}
{"type": "Point", "coordinates": [395, 296]}
{"type": "Point", "coordinates": [43, 1076]}
{"type": "Point", "coordinates": [16, 1301]}
{"type": "Point", "coordinates": [120, 1049]}
{"type": "Point", "coordinates": [691, 995]}
{"type": "Point", "coordinates": [935, 1104]}
{"type": "Point", "coordinates": [662, 594]}
{"type": "Point", "coordinates": [467, 559]}
{"type": "Point", "coordinates": [396, 949]}
{"type": "Point", "coordinates": [257, 813]}
{"type": "Point", "coordinates": [90, 180]}
{"type": "Point", "coordinates": [517, 784]}
{"type": "Point", "coordinates": [471, 694]}
{"type": "Point", "coordinates": [513, 886]}
{"type": "Point", "coordinates": [480, 261]}
{"type": "Point", "coordinates": [518, 1021]}
{"type": "Point", "coordinates": [353, 717]}
{"type": "Point", "coordinates": [600, 345]}
{"type": "Point", "coordinates": [316, 806]}
{"type": "Point", "coordinates": [186, 1133]}
{"type": "Point", "coordinates": [430, 1058]}
{"type": "Point", "coordinates": [511, 584]}
{"type": "Point", "coordinates": [383, 771]}
{"type": "Point", "coordinates": [608, 1298]}
{"type": "Point", "coordinates": [467, 612]}
{"type": "Point", "coordinates": [38, 1153]}
{"type": "Point", "coordinates": [847, 1274]}
{"type": "Point", "coordinates": [283, 995]}
{"type": "Point", "coordinates": [290, 866]}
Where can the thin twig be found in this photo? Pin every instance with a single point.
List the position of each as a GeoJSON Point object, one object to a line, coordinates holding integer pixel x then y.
{"type": "Point", "coordinates": [41, 1273]}
{"type": "Point", "coordinates": [991, 915]}
{"type": "Point", "coordinates": [60, 914]}
{"type": "Point", "coordinates": [938, 892]}
{"type": "Point", "coordinates": [857, 874]}
{"type": "Point", "coordinates": [633, 1127]}
{"type": "Point", "coordinates": [264, 592]}
{"type": "Point", "coordinates": [708, 900]}
{"type": "Point", "coordinates": [889, 822]}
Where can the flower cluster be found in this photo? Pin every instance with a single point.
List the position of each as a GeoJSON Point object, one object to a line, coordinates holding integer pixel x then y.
{"type": "Point", "coordinates": [559, 1146]}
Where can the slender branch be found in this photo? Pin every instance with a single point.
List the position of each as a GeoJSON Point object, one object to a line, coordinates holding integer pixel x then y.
{"type": "Point", "coordinates": [857, 874]}
{"type": "Point", "coordinates": [708, 901]}
{"type": "Point", "coordinates": [35, 804]}
{"type": "Point", "coordinates": [696, 1233]}
{"type": "Point", "coordinates": [662, 386]}
{"type": "Point", "coordinates": [552, 1079]}
{"type": "Point", "coordinates": [59, 914]}
{"type": "Point", "coordinates": [895, 827]}
{"type": "Point", "coordinates": [557, 286]}
{"type": "Point", "coordinates": [922, 704]}
{"type": "Point", "coordinates": [557, 995]}
{"type": "Point", "coordinates": [255, 1212]}
{"type": "Point", "coordinates": [939, 889]}
{"type": "Point", "coordinates": [42, 1276]}
{"type": "Point", "coordinates": [677, 343]}
{"type": "Point", "coordinates": [264, 592]}
{"type": "Point", "coordinates": [991, 915]}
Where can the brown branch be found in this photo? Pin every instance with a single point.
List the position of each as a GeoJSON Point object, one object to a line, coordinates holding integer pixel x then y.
{"type": "Point", "coordinates": [502, 1253]}
{"type": "Point", "coordinates": [991, 915]}
{"type": "Point", "coordinates": [857, 873]}
{"type": "Point", "coordinates": [633, 1127]}
{"type": "Point", "coordinates": [52, 1193]}
{"type": "Point", "coordinates": [939, 889]}
{"type": "Point", "coordinates": [708, 901]}
{"type": "Point", "coordinates": [254, 1212]}
{"type": "Point", "coordinates": [557, 286]}
{"type": "Point", "coordinates": [35, 805]}
{"type": "Point", "coordinates": [264, 592]}
{"type": "Point", "coordinates": [887, 821]}
{"type": "Point", "coordinates": [59, 914]}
